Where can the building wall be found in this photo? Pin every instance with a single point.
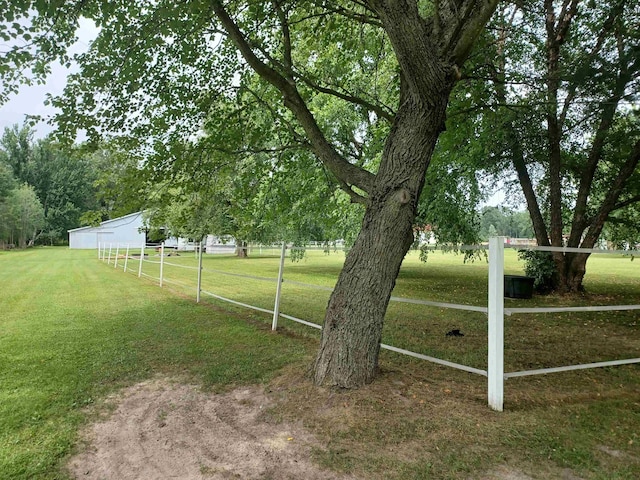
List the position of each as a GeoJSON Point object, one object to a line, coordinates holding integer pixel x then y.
{"type": "Point", "coordinates": [217, 245]}
{"type": "Point", "coordinates": [123, 230]}
{"type": "Point", "coordinates": [82, 239]}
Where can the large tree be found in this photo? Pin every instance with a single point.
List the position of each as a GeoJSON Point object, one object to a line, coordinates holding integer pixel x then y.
{"type": "Point", "coordinates": [556, 94]}
{"type": "Point", "coordinates": [21, 217]}
{"type": "Point", "coordinates": [393, 63]}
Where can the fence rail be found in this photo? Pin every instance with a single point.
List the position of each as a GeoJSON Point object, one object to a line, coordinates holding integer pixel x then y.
{"type": "Point", "coordinates": [495, 309]}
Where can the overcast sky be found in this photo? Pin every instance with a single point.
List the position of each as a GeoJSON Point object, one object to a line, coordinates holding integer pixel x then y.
{"type": "Point", "coordinates": [30, 100]}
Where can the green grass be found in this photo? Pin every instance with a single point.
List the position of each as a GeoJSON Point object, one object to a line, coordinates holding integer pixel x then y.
{"type": "Point", "coordinates": [538, 407]}
{"type": "Point", "coordinates": [73, 330]}
{"type": "Point", "coordinates": [444, 278]}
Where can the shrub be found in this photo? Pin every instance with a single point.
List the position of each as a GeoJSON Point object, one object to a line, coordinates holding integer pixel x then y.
{"type": "Point", "coordinates": [542, 268]}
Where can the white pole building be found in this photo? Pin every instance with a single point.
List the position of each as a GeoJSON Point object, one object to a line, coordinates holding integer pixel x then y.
{"type": "Point", "coordinates": [129, 229]}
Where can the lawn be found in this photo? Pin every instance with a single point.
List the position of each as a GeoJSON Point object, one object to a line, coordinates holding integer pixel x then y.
{"type": "Point", "coordinates": [74, 329]}
{"type": "Point", "coordinates": [531, 341]}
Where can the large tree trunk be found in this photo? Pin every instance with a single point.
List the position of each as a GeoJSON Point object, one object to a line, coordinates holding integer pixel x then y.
{"type": "Point", "coordinates": [571, 276]}
{"type": "Point", "coordinates": [242, 250]}
{"type": "Point", "coordinates": [348, 355]}
{"type": "Point", "coordinates": [430, 52]}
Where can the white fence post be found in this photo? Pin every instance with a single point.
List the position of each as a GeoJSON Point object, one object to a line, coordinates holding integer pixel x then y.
{"type": "Point", "coordinates": [126, 259]}
{"type": "Point", "coordinates": [276, 308]}
{"type": "Point", "coordinates": [98, 250]}
{"type": "Point", "coordinates": [199, 272]}
{"type": "Point", "coordinates": [115, 263]}
{"type": "Point", "coordinates": [495, 367]}
{"type": "Point", "coordinates": [109, 259]}
{"type": "Point", "coordinates": [141, 260]}
{"type": "Point", "coordinates": [161, 261]}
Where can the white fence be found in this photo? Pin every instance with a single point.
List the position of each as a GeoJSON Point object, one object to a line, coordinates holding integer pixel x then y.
{"type": "Point", "coordinates": [495, 309]}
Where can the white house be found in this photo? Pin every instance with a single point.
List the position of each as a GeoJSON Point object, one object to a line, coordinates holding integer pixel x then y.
{"type": "Point", "coordinates": [129, 229]}
{"type": "Point", "coordinates": [215, 244]}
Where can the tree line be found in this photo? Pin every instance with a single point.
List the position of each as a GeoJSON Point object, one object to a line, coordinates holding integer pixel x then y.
{"type": "Point", "coordinates": [47, 188]}
{"type": "Point", "coordinates": [43, 189]}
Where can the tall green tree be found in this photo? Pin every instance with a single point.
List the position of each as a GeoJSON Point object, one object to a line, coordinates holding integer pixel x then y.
{"type": "Point", "coordinates": [21, 217]}
{"type": "Point", "coordinates": [556, 106]}
{"type": "Point", "coordinates": [7, 181]}
{"type": "Point", "coordinates": [16, 146]}
{"type": "Point", "coordinates": [119, 185]}
{"type": "Point", "coordinates": [63, 180]}
{"type": "Point", "coordinates": [61, 177]}
{"type": "Point", "coordinates": [7, 185]}
{"type": "Point", "coordinates": [155, 69]}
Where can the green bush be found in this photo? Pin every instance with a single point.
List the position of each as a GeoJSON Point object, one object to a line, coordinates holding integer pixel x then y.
{"type": "Point", "coordinates": [542, 268]}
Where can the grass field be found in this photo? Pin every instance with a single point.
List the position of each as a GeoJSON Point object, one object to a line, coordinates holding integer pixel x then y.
{"type": "Point", "coordinates": [72, 330]}
{"type": "Point", "coordinates": [531, 341]}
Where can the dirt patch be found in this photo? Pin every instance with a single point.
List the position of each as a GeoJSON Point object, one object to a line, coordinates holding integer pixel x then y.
{"type": "Point", "coordinates": [161, 430]}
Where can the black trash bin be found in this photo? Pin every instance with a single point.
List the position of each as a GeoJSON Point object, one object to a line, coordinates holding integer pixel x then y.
{"type": "Point", "coordinates": [518, 286]}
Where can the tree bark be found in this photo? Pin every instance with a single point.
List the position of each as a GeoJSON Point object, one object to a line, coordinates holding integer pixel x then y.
{"type": "Point", "coordinates": [348, 355]}
{"type": "Point", "coordinates": [575, 264]}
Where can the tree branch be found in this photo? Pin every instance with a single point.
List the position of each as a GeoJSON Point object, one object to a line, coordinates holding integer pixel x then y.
{"type": "Point", "coordinates": [612, 196]}
{"type": "Point", "coordinates": [277, 115]}
{"type": "Point", "coordinates": [626, 203]}
{"type": "Point", "coordinates": [595, 155]}
{"type": "Point", "coordinates": [282, 148]}
{"type": "Point", "coordinates": [286, 36]}
{"type": "Point", "coordinates": [355, 197]}
{"type": "Point", "coordinates": [467, 31]}
{"type": "Point", "coordinates": [338, 165]}
{"type": "Point", "coordinates": [432, 49]}
{"type": "Point", "coordinates": [358, 17]}
{"type": "Point", "coordinates": [606, 28]}
{"type": "Point", "coordinates": [377, 109]}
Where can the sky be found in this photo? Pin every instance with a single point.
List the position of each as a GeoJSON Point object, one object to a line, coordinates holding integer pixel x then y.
{"type": "Point", "coordinates": [30, 99]}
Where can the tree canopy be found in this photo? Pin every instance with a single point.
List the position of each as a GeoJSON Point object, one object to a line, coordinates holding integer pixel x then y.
{"type": "Point", "coordinates": [63, 180]}
{"type": "Point", "coordinates": [362, 85]}
{"type": "Point", "coordinates": [552, 102]}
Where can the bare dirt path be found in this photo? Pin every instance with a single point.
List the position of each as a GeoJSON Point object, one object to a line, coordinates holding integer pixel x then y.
{"type": "Point", "coordinates": [164, 430]}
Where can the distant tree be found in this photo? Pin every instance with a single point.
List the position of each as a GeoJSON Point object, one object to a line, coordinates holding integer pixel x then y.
{"type": "Point", "coordinates": [119, 183]}
{"type": "Point", "coordinates": [61, 177]}
{"type": "Point", "coordinates": [22, 217]}
{"type": "Point", "coordinates": [623, 229]}
{"type": "Point", "coordinates": [7, 185]}
{"type": "Point", "coordinates": [505, 222]}
{"type": "Point", "coordinates": [16, 145]}
{"type": "Point", "coordinates": [7, 181]}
